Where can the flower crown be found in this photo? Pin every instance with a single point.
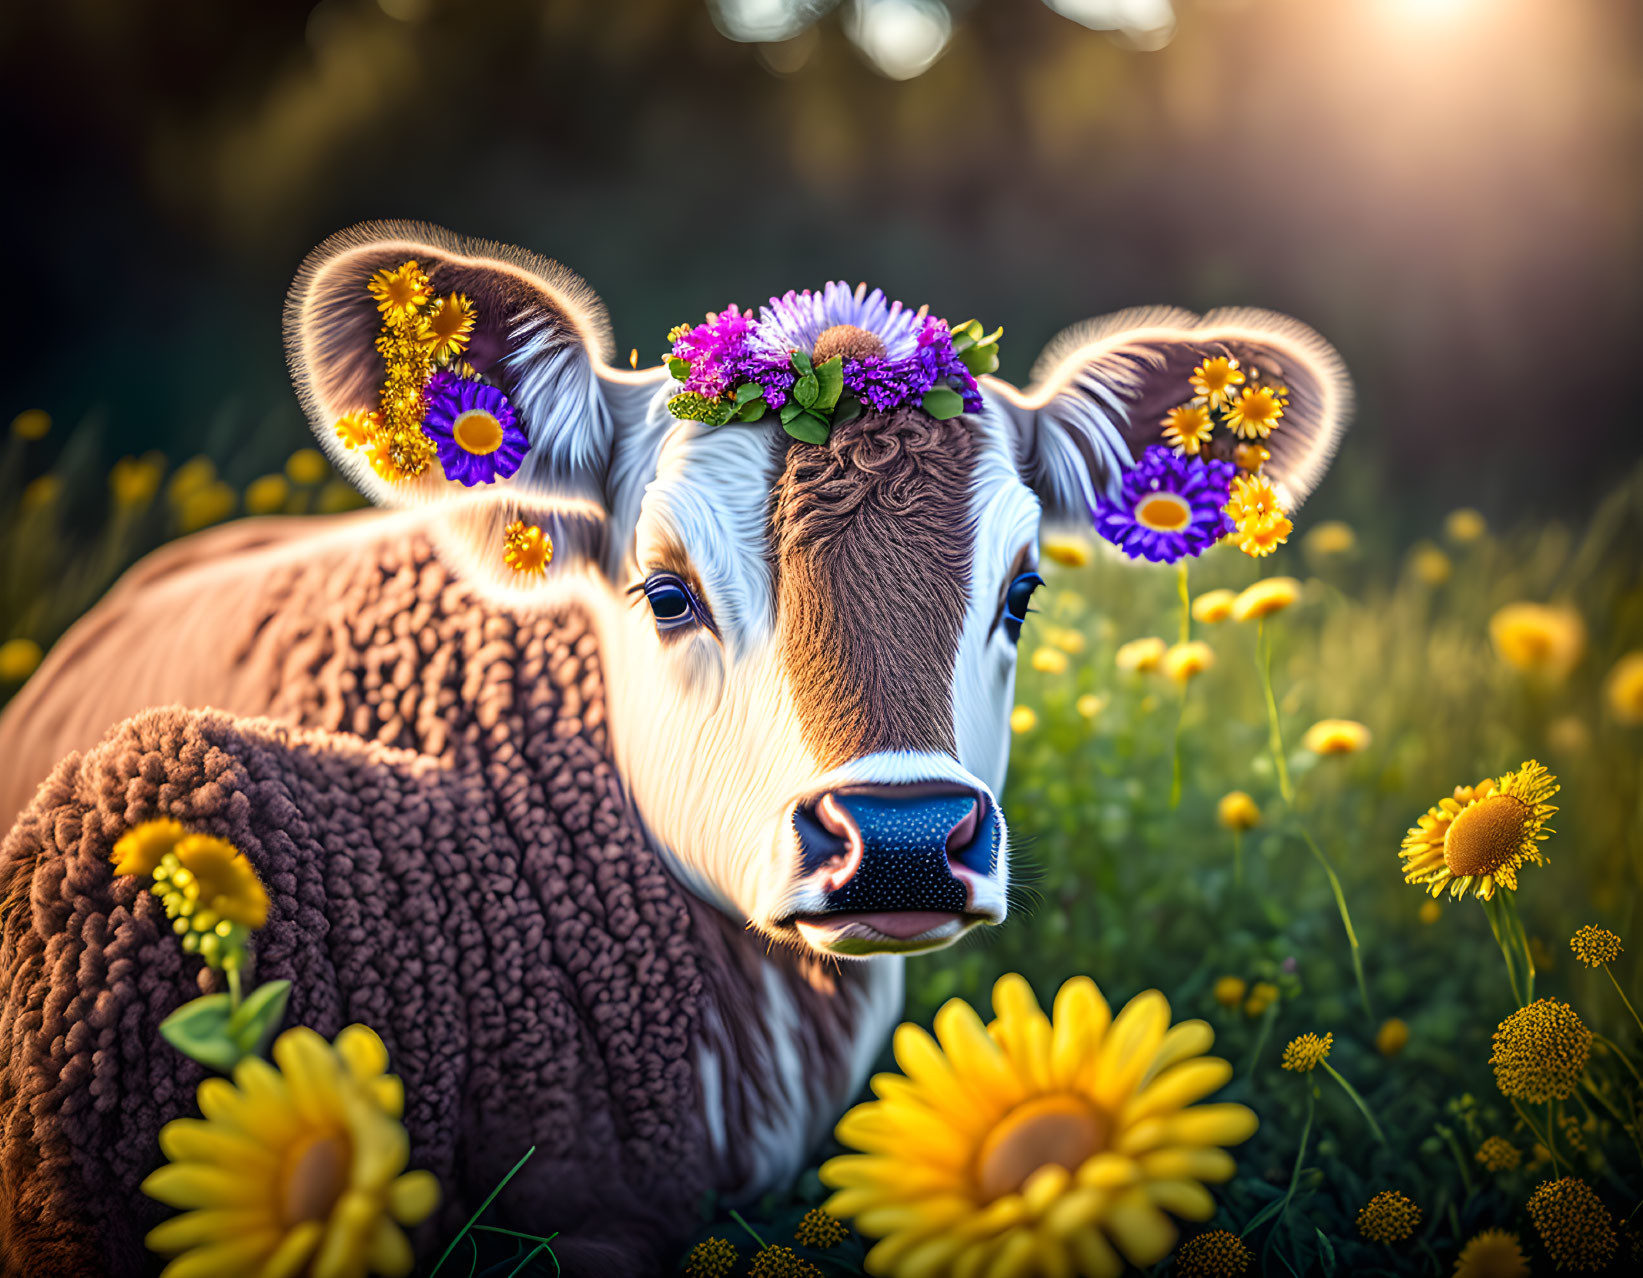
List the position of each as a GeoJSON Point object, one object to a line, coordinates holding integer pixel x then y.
{"type": "Point", "coordinates": [818, 359]}
{"type": "Point", "coordinates": [1186, 494]}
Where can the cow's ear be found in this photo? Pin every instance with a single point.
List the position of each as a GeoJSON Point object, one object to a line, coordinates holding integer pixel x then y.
{"type": "Point", "coordinates": [1100, 393]}
{"type": "Point", "coordinates": [539, 336]}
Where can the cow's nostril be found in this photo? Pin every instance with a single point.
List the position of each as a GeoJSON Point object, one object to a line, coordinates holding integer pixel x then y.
{"type": "Point", "coordinates": [963, 834]}
{"type": "Point", "coordinates": [835, 820]}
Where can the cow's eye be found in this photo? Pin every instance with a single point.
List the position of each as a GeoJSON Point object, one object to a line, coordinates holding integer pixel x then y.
{"type": "Point", "coordinates": [671, 602]}
{"type": "Point", "coordinates": [1016, 599]}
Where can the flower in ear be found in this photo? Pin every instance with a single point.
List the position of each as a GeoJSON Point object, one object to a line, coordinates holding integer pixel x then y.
{"type": "Point", "coordinates": [1169, 507]}
{"type": "Point", "coordinates": [475, 429]}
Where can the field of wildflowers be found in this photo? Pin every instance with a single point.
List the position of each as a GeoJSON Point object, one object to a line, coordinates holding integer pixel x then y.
{"type": "Point", "coordinates": [1219, 786]}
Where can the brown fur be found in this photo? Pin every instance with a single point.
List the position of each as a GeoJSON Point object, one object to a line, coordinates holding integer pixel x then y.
{"type": "Point", "coordinates": [872, 537]}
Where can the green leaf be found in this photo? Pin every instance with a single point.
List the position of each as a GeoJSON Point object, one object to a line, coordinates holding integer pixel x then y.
{"type": "Point", "coordinates": [790, 410]}
{"type": "Point", "coordinates": [942, 402]}
{"type": "Point", "coordinates": [965, 335]}
{"type": "Point", "coordinates": [199, 1030]}
{"type": "Point", "coordinates": [807, 427]}
{"type": "Point", "coordinates": [982, 357]}
{"type": "Point", "coordinates": [748, 391]}
{"type": "Point", "coordinates": [801, 363]}
{"type": "Point", "coordinates": [806, 389]}
{"type": "Point", "coordinates": [752, 410]}
{"type": "Point", "coordinates": [849, 408]}
{"type": "Point", "coordinates": [1326, 1252]}
{"type": "Point", "coordinates": [1265, 1214]}
{"type": "Point", "coordinates": [252, 1026]}
{"type": "Point", "coordinates": [680, 368]}
{"type": "Point", "coordinates": [830, 377]}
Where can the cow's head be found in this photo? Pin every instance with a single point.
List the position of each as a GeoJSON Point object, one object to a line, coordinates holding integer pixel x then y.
{"type": "Point", "coordinates": [810, 648]}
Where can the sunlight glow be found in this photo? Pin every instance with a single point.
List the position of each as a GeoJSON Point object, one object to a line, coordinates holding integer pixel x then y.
{"type": "Point", "coordinates": [902, 38]}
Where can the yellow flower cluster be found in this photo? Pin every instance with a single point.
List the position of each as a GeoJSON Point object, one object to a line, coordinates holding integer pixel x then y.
{"type": "Point", "coordinates": [211, 894]}
{"type": "Point", "coordinates": [1497, 1154]}
{"type": "Point", "coordinates": [526, 548]}
{"type": "Point", "coordinates": [1306, 1053]}
{"type": "Point", "coordinates": [1492, 1253]}
{"type": "Point", "coordinates": [1218, 1253]}
{"type": "Point", "coordinates": [1573, 1224]}
{"type": "Point", "coordinates": [1541, 1051]}
{"type": "Point", "coordinates": [711, 1258]}
{"type": "Point", "coordinates": [780, 1262]}
{"type": "Point", "coordinates": [1595, 946]}
{"type": "Point", "coordinates": [419, 334]}
{"type": "Point", "coordinates": [1388, 1217]}
{"type": "Point", "coordinates": [1260, 524]}
{"type": "Point", "coordinates": [819, 1230]}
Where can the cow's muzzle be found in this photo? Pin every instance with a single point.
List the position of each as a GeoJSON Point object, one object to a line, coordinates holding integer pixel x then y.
{"type": "Point", "coordinates": [895, 865]}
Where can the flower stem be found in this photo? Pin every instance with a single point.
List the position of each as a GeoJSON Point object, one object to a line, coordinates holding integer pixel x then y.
{"type": "Point", "coordinates": [234, 988]}
{"type": "Point", "coordinates": [1460, 1159]}
{"type": "Point", "coordinates": [1491, 910]}
{"type": "Point", "coordinates": [737, 1217]}
{"type": "Point", "coordinates": [1186, 600]}
{"type": "Point", "coordinates": [1346, 918]}
{"type": "Point", "coordinates": [1300, 1160]}
{"type": "Point", "coordinates": [1516, 921]}
{"type": "Point", "coordinates": [1263, 662]}
{"type": "Point", "coordinates": [1357, 1100]}
{"type": "Point", "coordinates": [1534, 1131]}
{"type": "Point", "coordinates": [1175, 759]}
{"type": "Point", "coordinates": [1623, 997]}
{"type": "Point", "coordinates": [1237, 859]}
{"type": "Point", "coordinates": [1616, 1049]}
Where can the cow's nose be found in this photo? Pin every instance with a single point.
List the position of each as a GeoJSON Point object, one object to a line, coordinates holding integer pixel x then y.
{"type": "Point", "coordinates": [906, 847]}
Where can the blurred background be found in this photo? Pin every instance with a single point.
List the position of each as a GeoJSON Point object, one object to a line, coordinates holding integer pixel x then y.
{"type": "Point", "coordinates": [1450, 190]}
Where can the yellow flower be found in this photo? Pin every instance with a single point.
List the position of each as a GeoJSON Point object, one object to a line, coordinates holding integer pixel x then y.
{"type": "Point", "coordinates": [1261, 997]}
{"type": "Point", "coordinates": [1139, 656]}
{"type": "Point", "coordinates": [1255, 413]}
{"type": "Point", "coordinates": [1219, 1253]}
{"type": "Point", "coordinates": [1540, 1052]}
{"type": "Point", "coordinates": [1430, 912]}
{"type": "Point", "coordinates": [1392, 1037]}
{"type": "Point", "coordinates": [526, 548]}
{"type": "Point", "coordinates": [1090, 705]}
{"type": "Point", "coordinates": [1497, 1154]}
{"type": "Point", "coordinates": [446, 327]}
{"type": "Point", "coordinates": [400, 292]}
{"type": "Point", "coordinates": [1229, 991]}
{"type": "Point", "coordinates": [1037, 1144]}
{"type": "Point", "coordinates": [267, 494]}
{"type": "Point", "coordinates": [1184, 662]}
{"type": "Point", "coordinates": [1023, 719]}
{"type": "Point", "coordinates": [1573, 1224]}
{"type": "Point", "coordinates": [1388, 1217]}
{"type": "Point", "coordinates": [1237, 811]}
{"type": "Point", "coordinates": [1265, 597]}
{"type": "Point", "coordinates": [1251, 498]}
{"type": "Point", "coordinates": [338, 496]}
{"type": "Point", "coordinates": [1250, 456]}
{"type": "Point", "coordinates": [1306, 1053]}
{"type": "Point", "coordinates": [1623, 689]}
{"type": "Point", "coordinates": [1539, 639]}
{"type": "Point", "coordinates": [1595, 946]}
{"type": "Point", "coordinates": [31, 424]}
{"type": "Point", "coordinates": [1336, 736]}
{"type": "Point", "coordinates": [1494, 1253]}
{"type": "Point", "coordinates": [19, 658]}
{"type": "Point", "coordinates": [1260, 537]}
{"type": "Point", "coordinates": [1213, 606]}
{"type": "Point", "coordinates": [711, 1258]}
{"type": "Point", "coordinates": [357, 429]}
{"type": "Point", "coordinates": [193, 475]}
{"type": "Point", "coordinates": [1188, 428]}
{"type": "Point", "coordinates": [211, 894]}
{"type": "Point", "coordinates": [41, 492]}
{"type": "Point", "coordinates": [306, 467]}
{"type": "Point", "coordinates": [1050, 661]}
{"type": "Point", "coordinates": [206, 506]}
{"type": "Point", "coordinates": [776, 1261]}
{"type": "Point", "coordinates": [141, 849]}
{"type": "Point", "coordinates": [1481, 837]}
{"type": "Point", "coordinates": [1464, 525]}
{"type": "Point", "coordinates": [819, 1230]}
{"type": "Point", "coordinates": [296, 1167]}
{"type": "Point", "coordinates": [1332, 537]}
{"type": "Point", "coordinates": [133, 481]}
{"type": "Point", "coordinates": [1429, 564]}
{"type": "Point", "coordinates": [1213, 380]}
{"type": "Point", "coordinates": [1065, 638]}
{"type": "Point", "coordinates": [1069, 552]}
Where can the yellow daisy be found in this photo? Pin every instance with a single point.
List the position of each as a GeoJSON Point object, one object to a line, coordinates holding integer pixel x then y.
{"type": "Point", "coordinates": [1259, 538]}
{"type": "Point", "coordinates": [446, 327]}
{"type": "Point", "coordinates": [1140, 656]}
{"type": "Point", "coordinates": [1184, 662]}
{"type": "Point", "coordinates": [296, 1167]}
{"type": "Point", "coordinates": [357, 429]}
{"type": "Point", "coordinates": [1188, 428]}
{"type": "Point", "coordinates": [1481, 837]}
{"type": "Point", "coordinates": [1494, 1253]}
{"type": "Point", "coordinates": [1252, 497]}
{"type": "Point", "coordinates": [1250, 457]}
{"type": "Point", "coordinates": [1069, 552]}
{"type": "Point", "coordinates": [1623, 689]}
{"type": "Point", "coordinates": [1255, 413]}
{"type": "Point", "coordinates": [1213, 606]}
{"type": "Point", "coordinates": [1544, 640]}
{"type": "Point", "coordinates": [1336, 736]}
{"type": "Point", "coordinates": [1213, 380]}
{"type": "Point", "coordinates": [1037, 1145]}
{"type": "Point", "coordinates": [526, 548]}
{"type": "Point", "coordinates": [401, 291]}
{"type": "Point", "coordinates": [1051, 661]}
{"type": "Point", "coordinates": [1265, 597]}
{"type": "Point", "coordinates": [1237, 811]}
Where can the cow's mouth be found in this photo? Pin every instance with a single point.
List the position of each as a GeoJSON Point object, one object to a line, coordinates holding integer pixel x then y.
{"type": "Point", "coordinates": [854, 932]}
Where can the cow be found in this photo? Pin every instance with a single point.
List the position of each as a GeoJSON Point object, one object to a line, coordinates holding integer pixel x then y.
{"type": "Point", "coordinates": [622, 859]}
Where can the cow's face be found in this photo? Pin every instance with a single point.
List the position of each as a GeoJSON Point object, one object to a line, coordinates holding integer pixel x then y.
{"type": "Point", "coordinates": [809, 648]}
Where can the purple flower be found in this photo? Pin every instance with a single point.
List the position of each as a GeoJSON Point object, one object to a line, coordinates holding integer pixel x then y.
{"type": "Point", "coordinates": [1169, 507]}
{"type": "Point", "coordinates": [715, 351]}
{"type": "Point", "coordinates": [475, 428]}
